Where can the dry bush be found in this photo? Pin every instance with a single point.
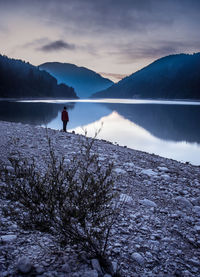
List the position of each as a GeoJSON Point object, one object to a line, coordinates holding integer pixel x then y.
{"type": "Point", "coordinates": [74, 202]}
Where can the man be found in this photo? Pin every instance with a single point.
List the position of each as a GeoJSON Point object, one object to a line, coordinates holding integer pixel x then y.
{"type": "Point", "coordinates": [65, 118]}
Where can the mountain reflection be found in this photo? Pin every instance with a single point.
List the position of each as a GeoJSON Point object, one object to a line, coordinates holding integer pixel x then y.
{"type": "Point", "coordinates": [168, 122]}
{"type": "Point", "coordinates": [30, 113]}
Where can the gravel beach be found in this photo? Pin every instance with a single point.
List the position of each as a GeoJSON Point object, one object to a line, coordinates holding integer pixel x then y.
{"type": "Point", "coordinates": [156, 234]}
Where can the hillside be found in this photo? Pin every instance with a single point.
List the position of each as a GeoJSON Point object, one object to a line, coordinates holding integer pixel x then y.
{"type": "Point", "coordinates": [19, 79]}
{"type": "Point", "coordinates": [84, 81]}
{"type": "Point", "coordinates": [171, 77]}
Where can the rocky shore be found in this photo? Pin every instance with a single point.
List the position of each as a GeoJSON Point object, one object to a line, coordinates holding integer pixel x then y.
{"type": "Point", "coordinates": [156, 234]}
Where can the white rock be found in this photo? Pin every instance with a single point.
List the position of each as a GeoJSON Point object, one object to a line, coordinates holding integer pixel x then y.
{"type": "Point", "coordinates": [101, 158]}
{"type": "Point", "coordinates": [138, 258]}
{"type": "Point", "coordinates": [129, 164]}
{"type": "Point", "coordinates": [8, 238]}
{"type": "Point", "coordinates": [165, 176]}
{"type": "Point", "coordinates": [148, 203]}
{"type": "Point", "coordinates": [162, 168]}
{"type": "Point", "coordinates": [125, 198]}
{"type": "Point", "coordinates": [149, 172]}
{"type": "Point", "coordinates": [119, 171]}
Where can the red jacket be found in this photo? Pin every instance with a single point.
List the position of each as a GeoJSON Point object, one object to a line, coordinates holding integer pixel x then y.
{"type": "Point", "coordinates": [65, 116]}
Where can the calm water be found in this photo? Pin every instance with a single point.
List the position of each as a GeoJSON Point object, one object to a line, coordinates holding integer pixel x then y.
{"type": "Point", "coordinates": [169, 129]}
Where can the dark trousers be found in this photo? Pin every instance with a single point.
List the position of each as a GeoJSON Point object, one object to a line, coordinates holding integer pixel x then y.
{"type": "Point", "coordinates": [64, 125]}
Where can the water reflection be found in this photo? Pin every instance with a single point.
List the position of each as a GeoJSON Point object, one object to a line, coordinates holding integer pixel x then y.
{"type": "Point", "coordinates": [118, 129]}
{"type": "Point", "coordinates": [170, 130]}
{"type": "Point", "coordinates": [168, 122]}
{"type": "Point", "coordinates": [30, 113]}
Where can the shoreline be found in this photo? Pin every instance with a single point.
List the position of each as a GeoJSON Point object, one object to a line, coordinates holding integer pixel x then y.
{"type": "Point", "coordinates": [157, 232]}
{"type": "Point", "coordinates": [110, 100]}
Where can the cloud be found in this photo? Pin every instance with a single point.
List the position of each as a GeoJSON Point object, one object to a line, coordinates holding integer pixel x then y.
{"type": "Point", "coordinates": [127, 53]}
{"type": "Point", "coordinates": [116, 35]}
{"type": "Point", "coordinates": [57, 46]}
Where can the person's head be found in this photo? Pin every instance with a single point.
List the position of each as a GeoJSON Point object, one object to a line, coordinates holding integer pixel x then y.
{"type": "Point", "coordinates": [64, 108]}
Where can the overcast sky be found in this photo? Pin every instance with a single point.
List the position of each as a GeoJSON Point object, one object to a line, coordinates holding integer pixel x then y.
{"type": "Point", "coordinates": [116, 37]}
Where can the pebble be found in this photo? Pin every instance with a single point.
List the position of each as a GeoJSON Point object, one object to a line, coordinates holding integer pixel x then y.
{"type": "Point", "coordinates": [24, 265]}
{"type": "Point", "coordinates": [90, 273]}
{"type": "Point", "coordinates": [185, 203]}
{"type": "Point", "coordinates": [138, 258]}
{"type": "Point", "coordinates": [10, 169]}
{"type": "Point", "coordinates": [66, 268]}
{"type": "Point", "coordinates": [125, 198]}
{"type": "Point", "coordinates": [8, 238]}
{"type": "Point", "coordinates": [196, 209]}
{"type": "Point", "coordinates": [96, 266]}
{"type": "Point", "coordinates": [148, 203]}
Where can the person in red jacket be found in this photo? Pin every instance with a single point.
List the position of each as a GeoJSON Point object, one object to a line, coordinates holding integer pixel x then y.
{"type": "Point", "coordinates": [65, 118]}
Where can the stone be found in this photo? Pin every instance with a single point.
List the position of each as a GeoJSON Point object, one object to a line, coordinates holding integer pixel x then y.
{"type": "Point", "coordinates": [90, 273]}
{"type": "Point", "coordinates": [197, 228]}
{"type": "Point", "coordinates": [119, 171]}
{"type": "Point", "coordinates": [162, 168]}
{"type": "Point", "coordinates": [194, 262]}
{"type": "Point", "coordinates": [196, 209]}
{"type": "Point", "coordinates": [196, 201]}
{"type": "Point", "coordinates": [96, 266]}
{"type": "Point", "coordinates": [148, 203]}
{"type": "Point", "coordinates": [114, 266]}
{"type": "Point", "coordinates": [10, 169]}
{"type": "Point", "coordinates": [125, 198]}
{"type": "Point", "coordinates": [24, 265]}
{"type": "Point", "coordinates": [138, 258]}
{"type": "Point", "coordinates": [8, 238]}
{"type": "Point", "coordinates": [184, 202]}
{"type": "Point", "coordinates": [66, 268]}
{"type": "Point", "coordinates": [39, 270]}
{"type": "Point", "coordinates": [149, 172]}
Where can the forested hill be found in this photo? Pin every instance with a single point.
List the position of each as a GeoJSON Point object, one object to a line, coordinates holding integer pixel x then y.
{"type": "Point", "coordinates": [19, 79]}
{"type": "Point", "coordinates": [171, 77]}
{"type": "Point", "coordinates": [85, 81]}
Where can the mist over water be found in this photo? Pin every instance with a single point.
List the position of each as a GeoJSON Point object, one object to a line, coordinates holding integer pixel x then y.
{"type": "Point", "coordinates": [166, 128]}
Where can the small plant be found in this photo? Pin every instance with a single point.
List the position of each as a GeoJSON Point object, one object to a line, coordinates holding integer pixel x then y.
{"type": "Point", "coordinates": [75, 202]}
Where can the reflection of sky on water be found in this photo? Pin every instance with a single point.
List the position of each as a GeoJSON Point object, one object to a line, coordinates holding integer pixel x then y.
{"type": "Point", "coordinates": [118, 129]}
{"type": "Point", "coordinates": [167, 128]}
{"type": "Point", "coordinates": [81, 114]}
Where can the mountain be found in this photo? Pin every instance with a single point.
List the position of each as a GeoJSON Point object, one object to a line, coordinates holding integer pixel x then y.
{"type": "Point", "coordinates": [171, 77]}
{"type": "Point", "coordinates": [19, 79]}
{"type": "Point", "coordinates": [85, 81]}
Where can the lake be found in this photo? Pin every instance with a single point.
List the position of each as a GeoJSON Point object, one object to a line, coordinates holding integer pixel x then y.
{"type": "Point", "coordinates": [166, 128]}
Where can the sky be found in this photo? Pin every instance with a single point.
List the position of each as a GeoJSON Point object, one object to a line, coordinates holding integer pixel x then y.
{"type": "Point", "coordinates": [112, 37]}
